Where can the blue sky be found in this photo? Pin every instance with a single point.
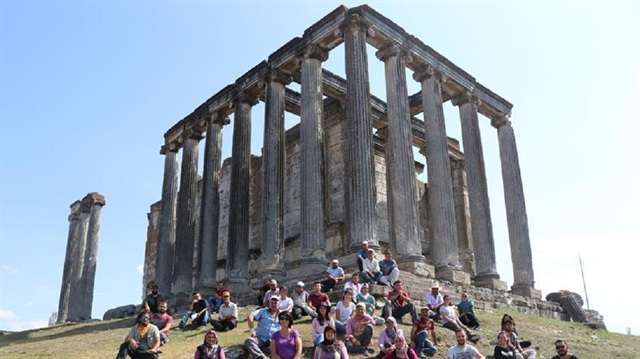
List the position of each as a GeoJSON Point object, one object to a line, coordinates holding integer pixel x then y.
{"type": "Point", "coordinates": [87, 90]}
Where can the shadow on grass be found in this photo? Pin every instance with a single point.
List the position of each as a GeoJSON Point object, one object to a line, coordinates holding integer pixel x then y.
{"type": "Point", "coordinates": [64, 330]}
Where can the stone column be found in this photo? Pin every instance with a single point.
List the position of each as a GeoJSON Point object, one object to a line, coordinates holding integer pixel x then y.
{"type": "Point", "coordinates": [238, 243]}
{"type": "Point", "coordinates": [210, 206]}
{"type": "Point", "coordinates": [361, 208]}
{"type": "Point", "coordinates": [463, 215]}
{"type": "Point", "coordinates": [486, 274]}
{"type": "Point", "coordinates": [311, 149]}
{"type": "Point", "coordinates": [272, 256]}
{"type": "Point", "coordinates": [167, 236]}
{"type": "Point", "coordinates": [444, 252]}
{"type": "Point", "coordinates": [523, 279]}
{"type": "Point", "coordinates": [401, 178]}
{"type": "Point", "coordinates": [74, 311]}
{"type": "Point", "coordinates": [186, 226]}
{"type": "Point", "coordinates": [70, 257]}
{"type": "Point", "coordinates": [91, 254]}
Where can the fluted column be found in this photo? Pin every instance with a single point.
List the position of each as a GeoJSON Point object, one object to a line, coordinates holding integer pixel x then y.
{"type": "Point", "coordinates": [361, 208]}
{"type": "Point", "coordinates": [167, 236]}
{"type": "Point", "coordinates": [444, 252]}
{"type": "Point", "coordinates": [311, 140]}
{"type": "Point", "coordinates": [91, 254]}
{"type": "Point", "coordinates": [521, 257]}
{"type": "Point", "coordinates": [72, 241]}
{"type": "Point", "coordinates": [273, 162]}
{"type": "Point", "coordinates": [187, 216]}
{"type": "Point", "coordinates": [402, 196]}
{"type": "Point", "coordinates": [481, 228]}
{"type": "Point", "coordinates": [74, 310]}
{"type": "Point", "coordinates": [210, 205]}
{"type": "Point", "coordinates": [238, 243]}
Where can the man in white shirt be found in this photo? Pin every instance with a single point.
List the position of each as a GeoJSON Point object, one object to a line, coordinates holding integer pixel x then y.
{"type": "Point", "coordinates": [333, 275]}
{"type": "Point", "coordinates": [354, 284]}
{"type": "Point", "coordinates": [463, 350]}
{"type": "Point", "coordinates": [433, 301]}
{"type": "Point", "coordinates": [370, 268]}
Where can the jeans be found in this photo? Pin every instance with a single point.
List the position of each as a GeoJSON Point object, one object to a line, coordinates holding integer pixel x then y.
{"type": "Point", "coordinates": [214, 304]}
{"type": "Point", "coordinates": [366, 278]}
{"type": "Point", "coordinates": [202, 319]}
{"type": "Point", "coordinates": [125, 350]}
{"type": "Point", "coordinates": [257, 348]}
{"type": "Point", "coordinates": [423, 344]}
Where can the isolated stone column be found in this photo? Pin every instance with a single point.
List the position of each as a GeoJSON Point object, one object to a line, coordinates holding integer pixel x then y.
{"type": "Point", "coordinates": [444, 251]}
{"type": "Point", "coordinates": [361, 207]}
{"type": "Point", "coordinates": [74, 310]}
{"type": "Point", "coordinates": [210, 206]}
{"type": "Point", "coordinates": [70, 257]}
{"type": "Point", "coordinates": [481, 229]}
{"type": "Point", "coordinates": [521, 257]}
{"type": "Point", "coordinates": [311, 179]}
{"type": "Point", "coordinates": [91, 254]}
{"type": "Point", "coordinates": [238, 243]}
{"type": "Point", "coordinates": [187, 216]}
{"type": "Point", "coordinates": [273, 162]}
{"type": "Point", "coordinates": [401, 169]}
{"type": "Point", "coordinates": [167, 237]}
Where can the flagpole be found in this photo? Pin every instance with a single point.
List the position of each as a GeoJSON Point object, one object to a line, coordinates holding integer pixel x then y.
{"type": "Point", "coordinates": [586, 296]}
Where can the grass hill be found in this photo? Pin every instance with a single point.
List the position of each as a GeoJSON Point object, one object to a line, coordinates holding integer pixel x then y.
{"type": "Point", "coordinates": [101, 339]}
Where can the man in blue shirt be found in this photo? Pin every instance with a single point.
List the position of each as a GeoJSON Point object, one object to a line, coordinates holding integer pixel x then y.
{"type": "Point", "coordinates": [266, 320]}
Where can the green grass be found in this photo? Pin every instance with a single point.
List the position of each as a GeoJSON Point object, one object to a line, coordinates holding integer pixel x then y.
{"type": "Point", "coordinates": [101, 339]}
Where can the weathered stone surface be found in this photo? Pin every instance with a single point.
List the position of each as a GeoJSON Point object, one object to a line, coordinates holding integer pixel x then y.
{"type": "Point", "coordinates": [122, 312]}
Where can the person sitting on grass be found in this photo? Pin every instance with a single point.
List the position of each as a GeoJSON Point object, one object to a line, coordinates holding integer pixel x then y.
{"type": "Point", "coordinates": [198, 312]}
{"type": "Point", "coordinates": [513, 341]}
{"type": "Point", "coordinates": [209, 349]}
{"type": "Point", "coordinates": [420, 332]}
{"type": "Point", "coordinates": [401, 350]}
{"type": "Point", "coordinates": [450, 320]}
{"type": "Point", "coordinates": [370, 302]}
{"type": "Point", "coordinates": [330, 347]}
{"type": "Point", "coordinates": [360, 331]}
{"type": "Point", "coordinates": [163, 321]}
{"type": "Point", "coordinates": [320, 322]}
{"type": "Point", "coordinates": [227, 315]}
{"type": "Point", "coordinates": [563, 350]}
{"type": "Point", "coordinates": [466, 312]}
{"type": "Point", "coordinates": [142, 341]}
{"type": "Point", "coordinates": [387, 337]}
{"type": "Point", "coordinates": [286, 342]}
{"type": "Point", "coordinates": [267, 322]}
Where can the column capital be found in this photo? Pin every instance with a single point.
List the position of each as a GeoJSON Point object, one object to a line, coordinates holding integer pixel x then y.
{"type": "Point", "coordinates": [218, 118]}
{"type": "Point", "coordinates": [316, 52]}
{"type": "Point", "coordinates": [192, 133]}
{"type": "Point", "coordinates": [500, 121]}
{"type": "Point", "coordinates": [467, 96]}
{"type": "Point", "coordinates": [393, 49]}
{"type": "Point", "coordinates": [245, 97]}
{"type": "Point", "coordinates": [276, 75]}
{"type": "Point", "coordinates": [97, 199]}
{"type": "Point", "coordinates": [355, 22]}
{"type": "Point", "coordinates": [169, 147]}
{"type": "Point", "coordinates": [427, 71]}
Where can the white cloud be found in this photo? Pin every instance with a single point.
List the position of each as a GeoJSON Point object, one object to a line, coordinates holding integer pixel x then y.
{"type": "Point", "coordinates": [28, 304]}
{"type": "Point", "coordinates": [141, 268]}
{"type": "Point", "coordinates": [6, 269]}
{"type": "Point", "coordinates": [7, 315]}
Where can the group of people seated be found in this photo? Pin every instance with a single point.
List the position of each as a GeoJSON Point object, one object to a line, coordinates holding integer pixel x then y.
{"type": "Point", "coordinates": [336, 329]}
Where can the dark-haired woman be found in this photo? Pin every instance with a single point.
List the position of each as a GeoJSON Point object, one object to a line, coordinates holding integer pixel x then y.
{"type": "Point", "coordinates": [322, 321]}
{"type": "Point", "coordinates": [286, 343]}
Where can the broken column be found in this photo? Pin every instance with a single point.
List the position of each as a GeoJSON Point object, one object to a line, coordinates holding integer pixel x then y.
{"type": "Point", "coordinates": [70, 257]}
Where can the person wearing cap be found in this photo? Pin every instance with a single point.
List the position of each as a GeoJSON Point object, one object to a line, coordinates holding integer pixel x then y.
{"type": "Point", "coordinates": [434, 300]}
{"type": "Point", "coordinates": [300, 298]}
{"type": "Point", "coordinates": [333, 276]}
{"type": "Point", "coordinates": [262, 324]}
{"type": "Point", "coordinates": [387, 337]}
{"type": "Point", "coordinates": [399, 303]}
{"type": "Point", "coordinates": [362, 254]}
{"type": "Point", "coordinates": [389, 269]}
{"type": "Point", "coordinates": [370, 268]}
{"type": "Point", "coordinates": [420, 331]}
{"type": "Point", "coordinates": [152, 299]}
{"type": "Point", "coordinates": [360, 332]}
{"type": "Point", "coordinates": [227, 314]}
{"type": "Point", "coordinates": [273, 291]}
{"type": "Point", "coordinates": [370, 302]}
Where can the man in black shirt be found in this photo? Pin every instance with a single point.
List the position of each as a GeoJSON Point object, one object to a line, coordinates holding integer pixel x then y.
{"type": "Point", "coordinates": [198, 312]}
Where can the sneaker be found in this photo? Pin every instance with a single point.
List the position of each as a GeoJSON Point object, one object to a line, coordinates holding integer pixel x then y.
{"type": "Point", "coordinates": [477, 328]}
{"type": "Point", "coordinates": [181, 326]}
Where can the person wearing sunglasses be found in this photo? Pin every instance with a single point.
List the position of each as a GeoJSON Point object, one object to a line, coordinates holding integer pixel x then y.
{"type": "Point", "coordinates": [142, 341]}
{"type": "Point", "coordinates": [563, 350]}
{"type": "Point", "coordinates": [286, 342]}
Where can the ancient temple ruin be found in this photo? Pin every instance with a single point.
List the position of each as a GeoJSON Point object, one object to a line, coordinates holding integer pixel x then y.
{"type": "Point", "coordinates": [79, 271]}
{"type": "Point", "coordinates": [344, 174]}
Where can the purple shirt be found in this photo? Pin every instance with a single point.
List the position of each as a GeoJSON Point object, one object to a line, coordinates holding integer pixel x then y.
{"type": "Point", "coordinates": [286, 347]}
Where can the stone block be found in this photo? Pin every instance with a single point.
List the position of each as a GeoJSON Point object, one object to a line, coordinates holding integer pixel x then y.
{"type": "Point", "coordinates": [455, 276]}
{"type": "Point", "coordinates": [490, 283]}
{"type": "Point", "coordinates": [526, 291]}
